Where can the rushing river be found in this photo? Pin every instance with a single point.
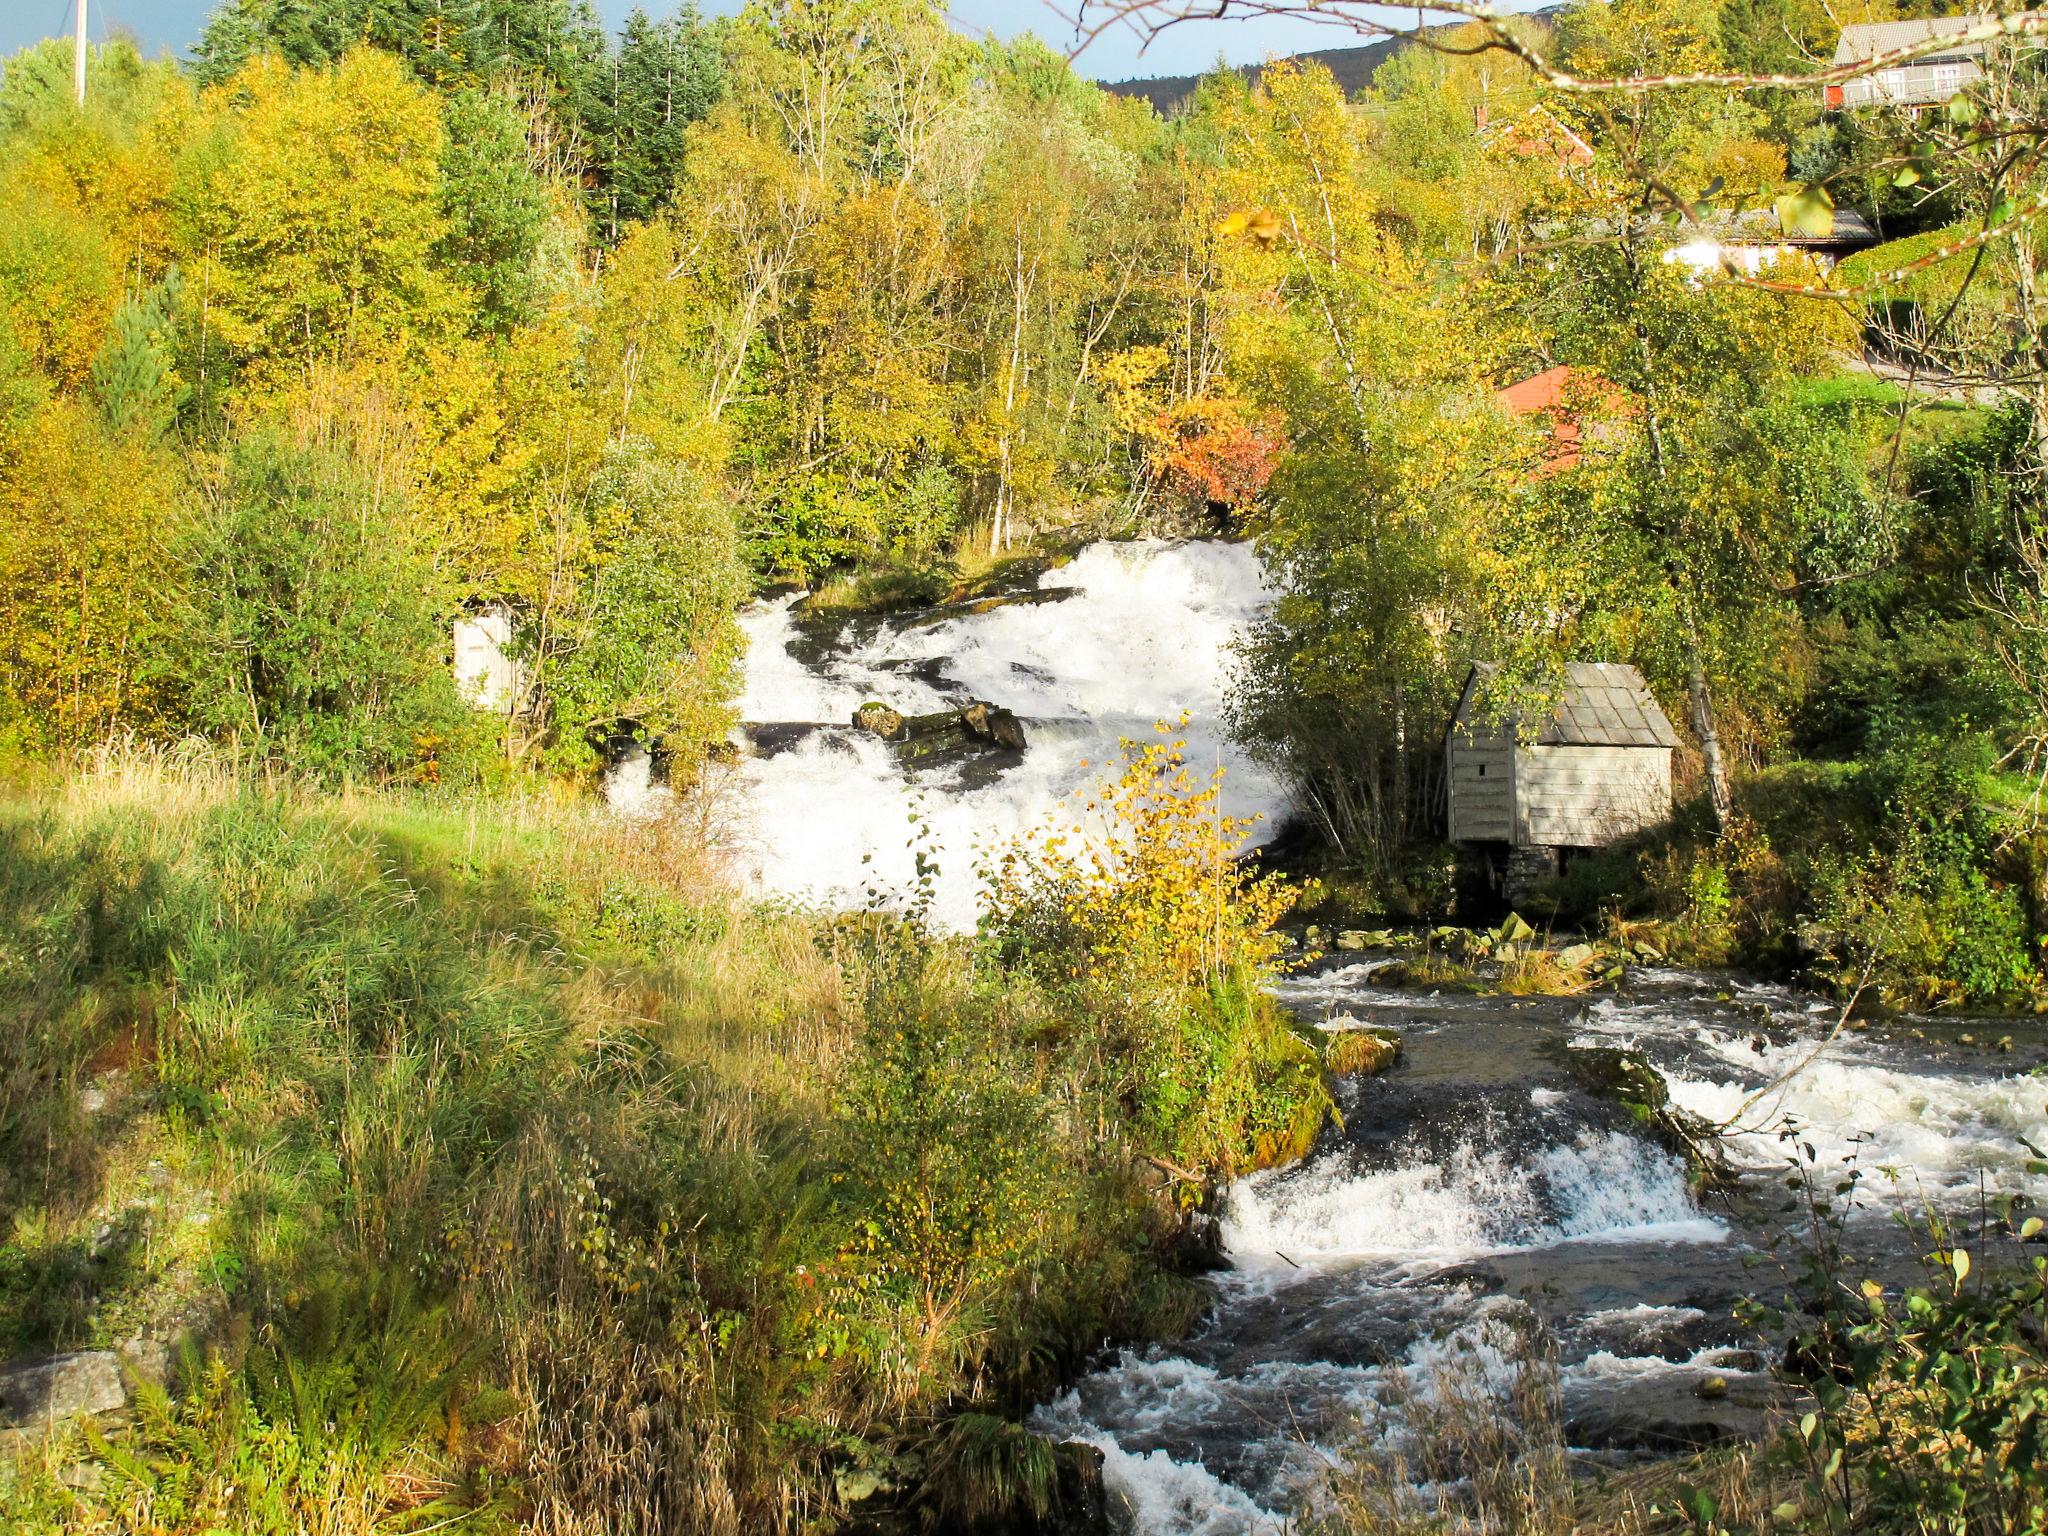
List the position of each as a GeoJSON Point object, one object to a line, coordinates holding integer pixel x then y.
{"type": "Point", "coordinates": [1121, 638]}
{"type": "Point", "coordinates": [1481, 1206]}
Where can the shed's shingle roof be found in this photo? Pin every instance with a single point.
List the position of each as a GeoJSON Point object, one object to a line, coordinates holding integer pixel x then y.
{"type": "Point", "coordinates": [1604, 704]}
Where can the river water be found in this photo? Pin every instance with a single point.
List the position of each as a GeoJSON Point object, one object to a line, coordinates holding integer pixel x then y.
{"type": "Point", "coordinates": [1123, 637]}
{"type": "Point", "coordinates": [1482, 1206]}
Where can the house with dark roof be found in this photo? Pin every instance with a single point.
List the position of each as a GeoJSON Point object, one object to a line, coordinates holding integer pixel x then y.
{"type": "Point", "coordinates": [1933, 77]}
{"type": "Point", "coordinates": [1596, 769]}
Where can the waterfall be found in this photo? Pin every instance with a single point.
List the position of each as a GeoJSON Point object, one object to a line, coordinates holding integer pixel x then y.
{"type": "Point", "coordinates": [1123, 637]}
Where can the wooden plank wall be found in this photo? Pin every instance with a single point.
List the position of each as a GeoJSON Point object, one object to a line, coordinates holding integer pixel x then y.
{"type": "Point", "coordinates": [1583, 797]}
{"type": "Point", "coordinates": [1481, 778]}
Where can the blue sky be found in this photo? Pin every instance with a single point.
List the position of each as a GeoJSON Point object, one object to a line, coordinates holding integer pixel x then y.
{"type": "Point", "coordinates": [173, 25]}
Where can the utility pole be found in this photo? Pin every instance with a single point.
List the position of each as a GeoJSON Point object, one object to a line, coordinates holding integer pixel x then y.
{"type": "Point", "coordinates": [78, 56]}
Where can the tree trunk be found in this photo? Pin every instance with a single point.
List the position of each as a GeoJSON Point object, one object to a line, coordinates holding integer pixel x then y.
{"type": "Point", "coordinates": [1702, 704]}
{"type": "Point", "coordinates": [1710, 738]}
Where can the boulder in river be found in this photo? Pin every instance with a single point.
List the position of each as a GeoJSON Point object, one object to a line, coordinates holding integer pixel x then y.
{"type": "Point", "coordinates": [976, 726]}
{"type": "Point", "coordinates": [994, 724]}
{"type": "Point", "coordinates": [1359, 1050]}
{"type": "Point", "coordinates": [879, 720]}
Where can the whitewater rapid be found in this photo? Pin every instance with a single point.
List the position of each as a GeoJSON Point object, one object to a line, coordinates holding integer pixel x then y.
{"type": "Point", "coordinates": [1123, 637]}
{"type": "Point", "coordinates": [1483, 1217]}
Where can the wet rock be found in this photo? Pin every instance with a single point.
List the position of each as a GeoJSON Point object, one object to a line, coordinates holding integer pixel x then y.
{"type": "Point", "coordinates": [1665, 1411]}
{"type": "Point", "coordinates": [1710, 1387]}
{"type": "Point", "coordinates": [1085, 1504]}
{"type": "Point", "coordinates": [879, 720]}
{"type": "Point", "coordinates": [994, 724]}
{"type": "Point", "coordinates": [1351, 939]}
{"type": "Point", "coordinates": [1625, 1077]}
{"type": "Point", "coordinates": [944, 734]}
{"type": "Point", "coordinates": [887, 1501]}
{"type": "Point", "coordinates": [48, 1390]}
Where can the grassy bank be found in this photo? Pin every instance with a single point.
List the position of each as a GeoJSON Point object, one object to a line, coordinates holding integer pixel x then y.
{"type": "Point", "coordinates": [492, 1162]}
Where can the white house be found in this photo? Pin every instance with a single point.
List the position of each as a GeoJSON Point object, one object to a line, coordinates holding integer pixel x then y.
{"type": "Point", "coordinates": [1928, 80]}
{"type": "Point", "coordinates": [487, 675]}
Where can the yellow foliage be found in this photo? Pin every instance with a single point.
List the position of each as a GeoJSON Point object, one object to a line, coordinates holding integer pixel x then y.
{"type": "Point", "coordinates": [1748, 168]}
{"type": "Point", "coordinates": [85, 574]}
{"type": "Point", "coordinates": [1166, 888]}
{"type": "Point", "coordinates": [320, 220]}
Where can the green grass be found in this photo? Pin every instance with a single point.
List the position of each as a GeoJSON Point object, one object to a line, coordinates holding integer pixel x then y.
{"type": "Point", "coordinates": [497, 1163]}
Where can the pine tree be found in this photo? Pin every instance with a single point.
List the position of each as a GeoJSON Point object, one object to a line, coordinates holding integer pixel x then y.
{"type": "Point", "coordinates": [666, 76]}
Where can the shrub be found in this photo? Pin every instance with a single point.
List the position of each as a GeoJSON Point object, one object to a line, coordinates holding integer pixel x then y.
{"type": "Point", "coordinates": [315, 632]}
{"type": "Point", "coordinates": [1156, 931]}
{"type": "Point", "coordinates": [654, 648]}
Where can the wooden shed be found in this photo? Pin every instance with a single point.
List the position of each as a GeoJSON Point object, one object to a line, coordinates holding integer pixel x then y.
{"type": "Point", "coordinates": [1598, 769]}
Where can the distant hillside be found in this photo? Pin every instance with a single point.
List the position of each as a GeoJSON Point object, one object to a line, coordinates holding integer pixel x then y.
{"type": "Point", "coordinates": [1353, 67]}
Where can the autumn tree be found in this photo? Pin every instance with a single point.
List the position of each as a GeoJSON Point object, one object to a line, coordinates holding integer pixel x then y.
{"type": "Point", "coordinates": [1370, 536]}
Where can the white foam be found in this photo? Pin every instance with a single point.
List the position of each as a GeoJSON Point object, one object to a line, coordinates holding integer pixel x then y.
{"type": "Point", "coordinates": [1145, 637]}
{"type": "Point", "coordinates": [1612, 1187]}
{"type": "Point", "coordinates": [1603, 1367]}
{"type": "Point", "coordinates": [1181, 1497]}
{"type": "Point", "coordinates": [1642, 1315]}
{"type": "Point", "coordinates": [630, 789]}
{"type": "Point", "coordinates": [1940, 1131]}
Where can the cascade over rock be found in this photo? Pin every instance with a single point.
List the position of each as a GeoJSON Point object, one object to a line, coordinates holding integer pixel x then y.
{"type": "Point", "coordinates": [970, 725]}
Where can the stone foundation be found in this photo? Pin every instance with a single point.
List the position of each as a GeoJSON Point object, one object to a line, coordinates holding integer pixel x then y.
{"type": "Point", "coordinates": [1524, 870]}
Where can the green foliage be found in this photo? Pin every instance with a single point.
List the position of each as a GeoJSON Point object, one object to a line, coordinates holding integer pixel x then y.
{"type": "Point", "coordinates": [952, 1179]}
{"type": "Point", "coordinates": [655, 650]}
{"type": "Point", "coordinates": [352, 1396]}
{"type": "Point", "coordinates": [822, 520]}
{"type": "Point", "coordinates": [496, 210]}
{"type": "Point", "coordinates": [135, 375]}
{"type": "Point", "coordinates": [669, 74]}
{"type": "Point", "coordinates": [1900, 872]}
{"type": "Point", "coordinates": [447, 43]}
{"type": "Point", "coordinates": [986, 1469]}
{"type": "Point", "coordinates": [312, 633]}
{"type": "Point", "coordinates": [1164, 941]}
{"type": "Point", "coordinates": [1925, 1398]}
{"type": "Point", "coordinates": [637, 1152]}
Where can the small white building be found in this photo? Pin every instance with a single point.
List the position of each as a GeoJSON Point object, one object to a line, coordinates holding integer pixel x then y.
{"type": "Point", "coordinates": [1597, 770]}
{"type": "Point", "coordinates": [487, 674]}
{"type": "Point", "coordinates": [1756, 240]}
{"type": "Point", "coordinates": [1928, 80]}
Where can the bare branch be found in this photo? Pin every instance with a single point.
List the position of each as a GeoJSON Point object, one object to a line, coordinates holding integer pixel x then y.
{"type": "Point", "coordinates": [1150, 19]}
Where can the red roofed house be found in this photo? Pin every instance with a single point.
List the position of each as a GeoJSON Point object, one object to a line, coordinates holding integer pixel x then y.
{"type": "Point", "coordinates": [1537, 134]}
{"type": "Point", "coordinates": [1562, 395]}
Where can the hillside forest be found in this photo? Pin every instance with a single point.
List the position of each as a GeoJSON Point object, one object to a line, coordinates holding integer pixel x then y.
{"type": "Point", "coordinates": [516, 1170]}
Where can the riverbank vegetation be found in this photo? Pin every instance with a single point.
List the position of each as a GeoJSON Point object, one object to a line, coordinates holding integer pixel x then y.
{"type": "Point", "coordinates": [492, 1159]}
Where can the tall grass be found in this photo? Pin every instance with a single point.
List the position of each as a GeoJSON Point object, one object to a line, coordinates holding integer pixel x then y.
{"type": "Point", "coordinates": [688, 1210]}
